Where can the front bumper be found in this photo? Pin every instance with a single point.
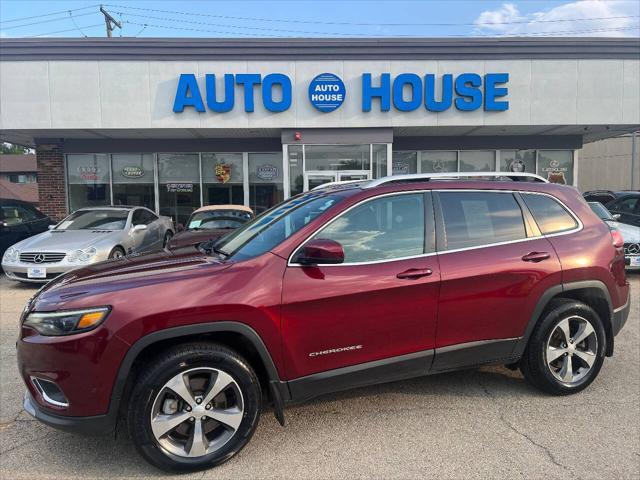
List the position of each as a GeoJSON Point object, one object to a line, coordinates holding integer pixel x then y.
{"type": "Point", "coordinates": [620, 316]}
{"type": "Point", "coordinates": [91, 426]}
{"type": "Point", "coordinates": [20, 271]}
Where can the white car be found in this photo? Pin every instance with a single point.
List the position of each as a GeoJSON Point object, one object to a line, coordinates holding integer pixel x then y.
{"type": "Point", "coordinates": [88, 235]}
{"type": "Point", "coordinates": [630, 234]}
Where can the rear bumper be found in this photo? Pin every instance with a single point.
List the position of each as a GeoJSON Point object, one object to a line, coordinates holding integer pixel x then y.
{"type": "Point", "coordinates": [91, 426]}
{"type": "Point", "coordinates": [620, 316]}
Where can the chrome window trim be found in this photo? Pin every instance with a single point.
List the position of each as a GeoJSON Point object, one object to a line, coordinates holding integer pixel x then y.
{"type": "Point", "coordinates": [36, 383]}
{"type": "Point", "coordinates": [438, 252]}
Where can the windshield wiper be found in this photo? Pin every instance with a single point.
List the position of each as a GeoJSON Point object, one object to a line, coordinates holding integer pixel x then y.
{"type": "Point", "coordinates": [218, 251]}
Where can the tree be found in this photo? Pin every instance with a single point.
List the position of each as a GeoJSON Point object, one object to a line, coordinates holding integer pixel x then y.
{"type": "Point", "coordinates": [10, 148]}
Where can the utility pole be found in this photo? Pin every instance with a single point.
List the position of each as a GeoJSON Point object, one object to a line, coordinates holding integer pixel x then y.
{"type": "Point", "coordinates": [109, 21]}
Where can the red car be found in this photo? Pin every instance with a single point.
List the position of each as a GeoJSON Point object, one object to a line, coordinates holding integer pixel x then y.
{"type": "Point", "coordinates": [341, 287]}
{"type": "Point", "coordinates": [210, 223]}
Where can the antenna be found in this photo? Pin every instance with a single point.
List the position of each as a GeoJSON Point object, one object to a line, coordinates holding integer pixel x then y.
{"type": "Point", "coordinates": [109, 21]}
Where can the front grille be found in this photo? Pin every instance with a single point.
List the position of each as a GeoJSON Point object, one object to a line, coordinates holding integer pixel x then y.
{"type": "Point", "coordinates": [37, 257]}
{"type": "Point", "coordinates": [632, 248]}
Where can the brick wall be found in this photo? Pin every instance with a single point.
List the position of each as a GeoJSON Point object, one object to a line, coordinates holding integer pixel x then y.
{"type": "Point", "coordinates": [50, 159]}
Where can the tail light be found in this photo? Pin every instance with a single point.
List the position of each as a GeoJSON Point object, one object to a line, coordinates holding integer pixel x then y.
{"type": "Point", "coordinates": [616, 236]}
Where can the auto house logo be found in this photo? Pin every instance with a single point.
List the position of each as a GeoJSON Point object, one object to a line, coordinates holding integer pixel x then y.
{"type": "Point", "coordinates": [327, 92]}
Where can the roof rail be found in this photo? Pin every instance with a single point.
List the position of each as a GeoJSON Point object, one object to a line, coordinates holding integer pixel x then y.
{"type": "Point", "coordinates": [514, 176]}
{"type": "Point", "coordinates": [333, 184]}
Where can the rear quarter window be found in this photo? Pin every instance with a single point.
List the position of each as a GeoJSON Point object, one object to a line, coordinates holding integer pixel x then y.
{"type": "Point", "coordinates": [549, 214]}
{"type": "Point", "coordinates": [473, 219]}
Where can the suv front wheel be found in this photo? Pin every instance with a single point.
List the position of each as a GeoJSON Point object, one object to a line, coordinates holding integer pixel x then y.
{"type": "Point", "coordinates": [194, 407]}
{"type": "Point", "coordinates": [566, 350]}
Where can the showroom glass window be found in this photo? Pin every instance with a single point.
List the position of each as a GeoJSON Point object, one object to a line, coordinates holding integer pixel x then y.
{"type": "Point", "coordinates": [296, 175]}
{"type": "Point", "coordinates": [556, 165]}
{"type": "Point", "coordinates": [265, 181]}
{"type": "Point", "coordinates": [178, 185]}
{"type": "Point", "coordinates": [478, 161]}
{"type": "Point", "coordinates": [518, 161]}
{"type": "Point", "coordinates": [337, 157]}
{"type": "Point", "coordinates": [404, 163]}
{"type": "Point", "coordinates": [133, 180]}
{"type": "Point", "coordinates": [474, 219]}
{"type": "Point", "coordinates": [379, 160]}
{"type": "Point", "coordinates": [88, 178]}
{"type": "Point", "coordinates": [438, 161]}
{"type": "Point", "coordinates": [222, 179]}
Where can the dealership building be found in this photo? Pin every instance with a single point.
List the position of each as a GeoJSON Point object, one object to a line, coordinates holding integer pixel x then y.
{"type": "Point", "coordinates": [173, 124]}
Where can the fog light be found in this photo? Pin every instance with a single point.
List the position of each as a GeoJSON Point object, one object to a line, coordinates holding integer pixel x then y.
{"type": "Point", "coordinates": [50, 392]}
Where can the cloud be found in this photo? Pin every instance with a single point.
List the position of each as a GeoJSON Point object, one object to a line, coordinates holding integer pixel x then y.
{"type": "Point", "coordinates": [564, 20]}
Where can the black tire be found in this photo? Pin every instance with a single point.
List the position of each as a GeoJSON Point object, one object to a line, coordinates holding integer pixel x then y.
{"type": "Point", "coordinates": [167, 237]}
{"type": "Point", "coordinates": [162, 369]}
{"type": "Point", "coordinates": [534, 361]}
{"type": "Point", "coordinates": [117, 252]}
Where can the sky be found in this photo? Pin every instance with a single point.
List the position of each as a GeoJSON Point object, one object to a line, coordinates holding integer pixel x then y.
{"type": "Point", "coordinates": [326, 18]}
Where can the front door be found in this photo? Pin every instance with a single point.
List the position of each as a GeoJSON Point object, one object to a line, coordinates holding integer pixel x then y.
{"type": "Point", "coordinates": [350, 176]}
{"type": "Point", "coordinates": [380, 304]}
{"type": "Point", "coordinates": [315, 179]}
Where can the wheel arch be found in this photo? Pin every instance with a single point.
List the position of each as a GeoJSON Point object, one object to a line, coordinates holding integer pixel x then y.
{"type": "Point", "coordinates": [236, 335]}
{"type": "Point", "coordinates": [593, 293]}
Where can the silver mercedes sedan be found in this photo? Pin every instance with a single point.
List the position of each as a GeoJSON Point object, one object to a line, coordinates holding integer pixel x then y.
{"type": "Point", "coordinates": [88, 235]}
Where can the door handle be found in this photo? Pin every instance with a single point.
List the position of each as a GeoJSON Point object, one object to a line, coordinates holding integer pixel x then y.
{"type": "Point", "coordinates": [536, 256]}
{"type": "Point", "coordinates": [414, 273]}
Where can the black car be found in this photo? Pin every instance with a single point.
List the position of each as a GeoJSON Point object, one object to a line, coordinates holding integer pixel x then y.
{"type": "Point", "coordinates": [600, 196]}
{"type": "Point", "coordinates": [19, 220]}
{"type": "Point", "coordinates": [627, 206]}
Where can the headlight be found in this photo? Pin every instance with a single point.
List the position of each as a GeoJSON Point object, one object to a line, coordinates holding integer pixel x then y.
{"type": "Point", "coordinates": [65, 323]}
{"type": "Point", "coordinates": [12, 255]}
{"type": "Point", "coordinates": [82, 256]}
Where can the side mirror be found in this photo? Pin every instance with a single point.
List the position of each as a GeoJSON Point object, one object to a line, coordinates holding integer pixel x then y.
{"type": "Point", "coordinates": [321, 252]}
{"type": "Point", "coordinates": [616, 216]}
{"type": "Point", "coordinates": [139, 228]}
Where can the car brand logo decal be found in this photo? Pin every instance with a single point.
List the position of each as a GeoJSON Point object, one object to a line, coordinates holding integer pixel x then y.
{"type": "Point", "coordinates": [223, 172]}
{"type": "Point", "coordinates": [39, 258]}
{"type": "Point", "coordinates": [633, 249]}
{"type": "Point", "coordinates": [335, 350]}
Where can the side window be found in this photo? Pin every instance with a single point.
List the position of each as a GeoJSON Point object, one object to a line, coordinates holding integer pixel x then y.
{"type": "Point", "coordinates": [148, 217]}
{"type": "Point", "coordinates": [26, 214]}
{"type": "Point", "coordinates": [626, 205]}
{"type": "Point", "coordinates": [473, 219]}
{"type": "Point", "coordinates": [550, 216]}
{"type": "Point", "coordinates": [138, 218]}
{"type": "Point", "coordinates": [381, 229]}
{"type": "Point", "coordinates": [13, 215]}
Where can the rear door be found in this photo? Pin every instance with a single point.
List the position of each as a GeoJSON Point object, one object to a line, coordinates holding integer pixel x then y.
{"type": "Point", "coordinates": [494, 266]}
{"type": "Point", "coordinates": [381, 303]}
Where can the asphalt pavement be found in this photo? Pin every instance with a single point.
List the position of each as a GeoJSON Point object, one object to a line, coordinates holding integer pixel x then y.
{"type": "Point", "coordinates": [485, 423]}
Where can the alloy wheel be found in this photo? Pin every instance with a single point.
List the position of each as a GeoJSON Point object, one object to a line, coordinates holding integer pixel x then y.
{"type": "Point", "coordinates": [197, 412]}
{"type": "Point", "coordinates": [571, 349]}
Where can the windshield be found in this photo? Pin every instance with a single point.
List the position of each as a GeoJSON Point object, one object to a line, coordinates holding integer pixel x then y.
{"type": "Point", "coordinates": [276, 225]}
{"type": "Point", "coordinates": [95, 220]}
{"type": "Point", "coordinates": [215, 219]}
{"type": "Point", "coordinates": [601, 211]}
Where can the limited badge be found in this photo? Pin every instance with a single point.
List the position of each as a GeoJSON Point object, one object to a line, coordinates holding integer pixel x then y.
{"type": "Point", "coordinates": [223, 172]}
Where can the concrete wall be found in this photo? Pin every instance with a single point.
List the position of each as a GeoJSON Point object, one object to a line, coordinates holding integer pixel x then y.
{"type": "Point", "coordinates": [88, 94]}
{"type": "Point", "coordinates": [606, 165]}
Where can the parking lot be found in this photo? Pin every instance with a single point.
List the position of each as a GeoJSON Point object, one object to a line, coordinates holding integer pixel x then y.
{"type": "Point", "coordinates": [485, 423]}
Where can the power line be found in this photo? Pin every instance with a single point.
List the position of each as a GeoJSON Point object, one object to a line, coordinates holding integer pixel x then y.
{"type": "Point", "coordinates": [47, 21]}
{"type": "Point", "coordinates": [76, 25]}
{"type": "Point", "coordinates": [317, 22]}
{"type": "Point", "coordinates": [48, 14]}
{"type": "Point", "coordinates": [250, 34]}
{"type": "Point", "coordinates": [64, 31]}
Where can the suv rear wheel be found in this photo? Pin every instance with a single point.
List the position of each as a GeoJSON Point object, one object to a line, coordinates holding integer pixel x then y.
{"type": "Point", "coordinates": [194, 407]}
{"type": "Point", "coordinates": [566, 350]}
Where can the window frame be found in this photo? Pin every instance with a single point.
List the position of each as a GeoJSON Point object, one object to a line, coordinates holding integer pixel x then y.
{"type": "Point", "coordinates": [566, 209]}
{"type": "Point", "coordinates": [532, 230]}
{"type": "Point", "coordinates": [429, 245]}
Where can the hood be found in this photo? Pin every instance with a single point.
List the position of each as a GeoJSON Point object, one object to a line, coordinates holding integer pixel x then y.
{"type": "Point", "coordinates": [64, 240]}
{"type": "Point", "coordinates": [193, 237]}
{"type": "Point", "coordinates": [630, 233]}
{"type": "Point", "coordinates": [128, 273]}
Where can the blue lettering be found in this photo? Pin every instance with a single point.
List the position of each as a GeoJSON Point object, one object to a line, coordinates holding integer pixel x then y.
{"type": "Point", "coordinates": [416, 92]}
{"type": "Point", "coordinates": [213, 104]}
{"type": "Point", "coordinates": [248, 81]}
{"type": "Point", "coordinates": [383, 92]}
{"type": "Point", "coordinates": [467, 86]}
{"type": "Point", "coordinates": [188, 94]}
{"type": "Point", "coordinates": [267, 92]}
{"type": "Point", "coordinates": [491, 92]}
{"type": "Point", "coordinates": [430, 93]}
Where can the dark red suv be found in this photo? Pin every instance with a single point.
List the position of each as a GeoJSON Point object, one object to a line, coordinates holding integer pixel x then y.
{"type": "Point", "coordinates": [336, 288]}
